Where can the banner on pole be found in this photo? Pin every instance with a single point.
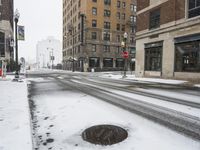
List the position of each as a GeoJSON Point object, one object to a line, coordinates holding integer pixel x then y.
{"type": "Point", "coordinates": [21, 34]}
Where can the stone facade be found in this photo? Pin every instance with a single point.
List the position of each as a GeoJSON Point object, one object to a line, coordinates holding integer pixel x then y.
{"type": "Point", "coordinates": [175, 31]}
{"type": "Point", "coordinates": [6, 30]}
{"type": "Point", "coordinates": [104, 51]}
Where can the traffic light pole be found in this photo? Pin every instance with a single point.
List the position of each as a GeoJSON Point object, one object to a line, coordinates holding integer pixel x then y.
{"type": "Point", "coordinates": [125, 62]}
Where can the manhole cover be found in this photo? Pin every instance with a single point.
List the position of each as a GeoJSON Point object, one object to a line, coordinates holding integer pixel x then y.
{"type": "Point", "coordinates": [104, 134]}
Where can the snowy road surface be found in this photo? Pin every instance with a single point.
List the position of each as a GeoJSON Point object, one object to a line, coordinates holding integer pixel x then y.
{"type": "Point", "coordinates": [62, 111]}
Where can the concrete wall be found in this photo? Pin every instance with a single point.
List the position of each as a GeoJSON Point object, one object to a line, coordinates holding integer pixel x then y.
{"type": "Point", "coordinates": [191, 27]}
{"type": "Point", "coordinates": [174, 23]}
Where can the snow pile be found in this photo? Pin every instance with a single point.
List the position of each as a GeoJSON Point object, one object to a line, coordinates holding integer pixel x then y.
{"type": "Point", "coordinates": [15, 133]}
{"type": "Point", "coordinates": [133, 78]}
{"type": "Point", "coordinates": [197, 85]}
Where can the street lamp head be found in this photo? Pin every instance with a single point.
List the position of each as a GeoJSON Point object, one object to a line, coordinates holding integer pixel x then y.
{"type": "Point", "coordinates": [125, 35]}
{"type": "Point", "coordinates": [16, 16]}
{"type": "Point", "coordinates": [11, 43]}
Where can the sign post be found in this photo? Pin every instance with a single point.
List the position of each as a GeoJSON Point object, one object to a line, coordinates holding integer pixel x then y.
{"type": "Point", "coordinates": [125, 53]}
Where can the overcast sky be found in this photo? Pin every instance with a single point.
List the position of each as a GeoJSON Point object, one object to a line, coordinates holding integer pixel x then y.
{"type": "Point", "coordinates": [41, 18]}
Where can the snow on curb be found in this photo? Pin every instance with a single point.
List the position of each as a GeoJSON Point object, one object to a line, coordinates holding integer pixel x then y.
{"type": "Point", "coordinates": [133, 78]}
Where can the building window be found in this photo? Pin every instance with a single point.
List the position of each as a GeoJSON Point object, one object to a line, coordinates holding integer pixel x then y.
{"type": "Point", "coordinates": [106, 25]}
{"type": "Point", "coordinates": [118, 15]}
{"type": "Point", "coordinates": [118, 27]}
{"type": "Point", "coordinates": [123, 16]}
{"type": "Point", "coordinates": [123, 27]}
{"type": "Point", "coordinates": [118, 38]}
{"type": "Point", "coordinates": [154, 20]}
{"type": "Point", "coordinates": [133, 7]}
{"type": "Point", "coordinates": [132, 40]}
{"type": "Point", "coordinates": [153, 59]}
{"type": "Point", "coordinates": [94, 62]}
{"type": "Point", "coordinates": [193, 8]}
{"type": "Point", "coordinates": [132, 19]}
{"type": "Point", "coordinates": [94, 23]}
{"type": "Point", "coordinates": [107, 2]}
{"type": "Point", "coordinates": [124, 4]}
{"type": "Point", "coordinates": [118, 4]}
{"type": "Point", "coordinates": [94, 11]}
{"type": "Point", "coordinates": [106, 48]}
{"type": "Point", "coordinates": [107, 13]}
{"type": "Point", "coordinates": [132, 51]}
{"type": "Point", "coordinates": [93, 48]}
{"type": "Point", "coordinates": [133, 29]}
{"type": "Point", "coordinates": [79, 49]}
{"type": "Point", "coordinates": [106, 36]}
{"type": "Point", "coordinates": [107, 62]}
{"type": "Point", "coordinates": [187, 57]}
{"type": "Point", "coordinates": [119, 62]}
{"type": "Point", "coordinates": [94, 1]}
{"type": "Point", "coordinates": [94, 35]}
{"type": "Point", "coordinates": [118, 49]}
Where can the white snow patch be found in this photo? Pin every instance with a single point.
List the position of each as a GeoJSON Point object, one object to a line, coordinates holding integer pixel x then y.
{"type": "Point", "coordinates": [15, 131]}
{"type": "Point", "coordinates": [197, 85]}
{"type": "Point", "coordinates": [132, 77]}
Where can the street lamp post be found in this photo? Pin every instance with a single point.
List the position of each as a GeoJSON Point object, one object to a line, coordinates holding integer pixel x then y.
{"type": "Point", "coordinates": [51, 56]}
{"type": "Point", "coordinates": [16, 18]}
{"type": "Point", "coordinates": [125, 59]}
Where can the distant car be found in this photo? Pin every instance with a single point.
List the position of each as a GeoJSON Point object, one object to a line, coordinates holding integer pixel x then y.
{"type": "Point", "coordinates": [59, 66]}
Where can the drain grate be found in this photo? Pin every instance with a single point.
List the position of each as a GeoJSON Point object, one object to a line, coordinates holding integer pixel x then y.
{"type": "Point", "coordinates": [104, 134]}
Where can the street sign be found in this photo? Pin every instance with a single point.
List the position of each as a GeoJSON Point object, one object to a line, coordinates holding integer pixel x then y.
{"type": "Point", "coordinates": [125, 54]}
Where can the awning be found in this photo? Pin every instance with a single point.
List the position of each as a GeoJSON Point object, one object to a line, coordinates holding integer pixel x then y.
{"type": "Point", "coordinates": [188, 38]}
{"type": "Point", "coordinates": [155, 44]}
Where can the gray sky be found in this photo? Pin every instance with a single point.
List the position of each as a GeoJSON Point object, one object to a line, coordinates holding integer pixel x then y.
{"type": "Point", "coordinates": [41, 18]}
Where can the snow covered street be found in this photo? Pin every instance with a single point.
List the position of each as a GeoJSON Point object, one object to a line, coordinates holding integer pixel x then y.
{"type": "Point", "coordinates": [70, 113]}
{"type": "Point", "coordinates": [60, 111]}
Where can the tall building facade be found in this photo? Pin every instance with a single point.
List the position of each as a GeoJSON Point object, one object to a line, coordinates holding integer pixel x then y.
{"type": "Point", "coordinates": [168, 38]}
{"type": "Point", "coordinates": [49, 53]}
{"type": "Point", "coordinates": [6, 31]}
{"type": "Point", "coordinates": [93, 31]}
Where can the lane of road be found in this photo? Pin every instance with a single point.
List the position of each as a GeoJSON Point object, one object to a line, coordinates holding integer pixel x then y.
{"type": "Point", "coordinates": [181, 122]}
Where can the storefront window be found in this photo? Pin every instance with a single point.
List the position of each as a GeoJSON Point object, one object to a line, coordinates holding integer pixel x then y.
{"type": "Point", "coordinates": [187, 57]}
{"type": "Point", "coordinates": [2, 44]}
{"type": "Point", "coordinates": [153, 59]}
{"type": "Point", "coordinates": [107, 62]}
{"type": "Point", "coordinates": [94, 62]}
{"type": "Point", "coordinates": [119, 62]}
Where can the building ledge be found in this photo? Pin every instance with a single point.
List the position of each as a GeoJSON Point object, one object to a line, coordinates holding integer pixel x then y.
{"type": "Point", "coordinates": [172, 26]}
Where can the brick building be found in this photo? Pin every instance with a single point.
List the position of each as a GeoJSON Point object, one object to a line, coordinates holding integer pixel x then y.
{"type": "Point", "coordinates": [96, 31]}
{"type": "Point", "coordinates": [6, 31]}
{"type": "Point", "coordinates": [168, 38]}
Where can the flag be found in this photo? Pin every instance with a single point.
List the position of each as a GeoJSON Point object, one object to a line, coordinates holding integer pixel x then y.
{"type": "Point", "coordinates": [21, 35]}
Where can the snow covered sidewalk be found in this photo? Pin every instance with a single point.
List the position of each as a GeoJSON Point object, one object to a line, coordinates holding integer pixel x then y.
{"type": "Point", "coordinates": [132, 77]}
{"type": "Point", "coordinates": [15, 129]}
